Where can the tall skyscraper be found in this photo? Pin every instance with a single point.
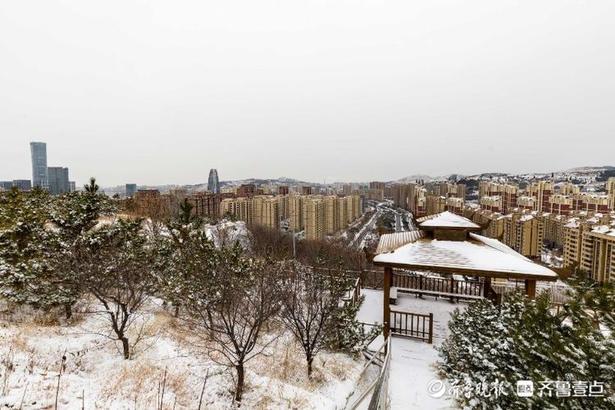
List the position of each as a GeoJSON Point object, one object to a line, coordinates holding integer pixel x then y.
{"type": "Point", "coordinates": [213, 184]}
{"type": "Point", "coordinates": [58, 180]}
{"type": "Point", "coordinates": [40, 177]}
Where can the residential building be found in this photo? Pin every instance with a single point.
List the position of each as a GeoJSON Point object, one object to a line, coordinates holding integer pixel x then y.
{"type": "Point", "coordinates": [491, 203]}
{"type": "Point", "coordinates": [40, 177]}
{"type": "Point", "coordinates": [435, 204]}
{"type": "Point", "coordinates": [455, 205]}
{"type": "Point", "coordinates": [295, 212]}
{"type": "Point", "coordinates": [377, 185]}
{"type": "Point", "coordinates": [527, 203]}
{"type": "Point", "coordinates": [314, 218]}
{"type": "Point", "coordinates": [601, 253]}
{"type": "Point", "coordinates": [590, 202]}
{"type": "Point", "coordinates": [610, 189]}
{"type": "Point", "coordinates": [541, 191]}
{"type": "Point", "coordinates": [283, 190]}
{"type": "Point", "coordinates": [240, 208]}
{"type": "Point", "coordinates": [524, 233]}
{"type": "Point", "coordinates": [509, 193]}
{"type": "Point", "coordinates": [560, 204]}
{"type": "Point", "coordinates": [306, 190]}
{"type": "Point", "coordinates": [246, 190]}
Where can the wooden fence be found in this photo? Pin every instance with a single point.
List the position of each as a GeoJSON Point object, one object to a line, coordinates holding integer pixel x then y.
{"type": "Point", "coordinates": [414, 325]}
{"type": "Point", "coordinates": [438, 286]}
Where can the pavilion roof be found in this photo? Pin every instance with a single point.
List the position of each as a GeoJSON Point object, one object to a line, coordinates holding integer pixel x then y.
{"type": "Point", "coordinates": [477, 256]}
{"type": "Point", "coordinates": [446, 220]}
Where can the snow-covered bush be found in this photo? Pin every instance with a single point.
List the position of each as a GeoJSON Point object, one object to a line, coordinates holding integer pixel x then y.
{"type": "Point", "coordinates": [491, 347]}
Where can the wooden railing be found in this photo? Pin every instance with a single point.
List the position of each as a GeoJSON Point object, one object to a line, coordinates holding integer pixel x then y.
{"type": "Point", "coordinates": [414, 325]}
{"type": "Point", "coordinates": [434, 285]}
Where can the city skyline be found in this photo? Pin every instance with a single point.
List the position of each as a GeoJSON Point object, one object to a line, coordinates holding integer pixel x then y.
{"type": "Point", "coordinates": [313, 91]}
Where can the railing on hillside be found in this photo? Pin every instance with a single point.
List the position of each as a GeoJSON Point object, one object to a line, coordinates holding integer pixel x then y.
{"type": "Point", "coordinates": [413, 325]}
{"type": "Point", "coordinates": [380, 396]}
{"type": "Point", "coordinates": [436, 286]}
{"type": "Point", "coordinates": [379, 387]}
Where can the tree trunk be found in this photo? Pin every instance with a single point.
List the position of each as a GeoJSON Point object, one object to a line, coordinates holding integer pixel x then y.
{"type": "Point", "coordinates": [310, 359]}
{"type": "Point", "coordinates": [68, 310]}
{"type": "Point", "coordinates": [176, 311]}
{"type": "Point", "coordinates": [126, 347]}
{"type": "Point", "coordinates": [240, 380]}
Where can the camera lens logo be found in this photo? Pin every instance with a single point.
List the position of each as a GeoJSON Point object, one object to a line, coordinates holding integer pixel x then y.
{"type": "Point", "coordinates": [525, 388]}
{"type": "Point", "coordinates": [436, 388]}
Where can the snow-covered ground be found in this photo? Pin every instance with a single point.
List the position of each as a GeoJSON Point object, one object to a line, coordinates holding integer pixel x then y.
{"type": "Point", "coordinates": [96, 375]}
{"type": "Point", "coordinates": [413, 362]}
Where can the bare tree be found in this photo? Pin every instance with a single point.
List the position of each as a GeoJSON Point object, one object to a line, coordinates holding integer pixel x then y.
{"type": "Point", "coordinates": [310, 303]}
{"type": "Point", "coordinates": [229, 307]}
{"type": "Point", "coordinates": [118, 270]}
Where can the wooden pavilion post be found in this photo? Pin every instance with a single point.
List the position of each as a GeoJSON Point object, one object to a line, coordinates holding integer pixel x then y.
{"type": "Point", "coordinates": [388, 278]}
{"type": "Point", "coordinates": [530, 288]}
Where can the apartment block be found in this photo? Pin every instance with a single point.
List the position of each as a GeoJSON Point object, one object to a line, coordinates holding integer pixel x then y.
{"type": "Point", "coordinates": [240, 208]}
{"type": "Point", "coordinates": [610, 189]}
{"type": "Point", "coordinates": [527, 203]}
{"type": "Point", "coordinates": [567, 188]}
{"type": "Point", "coordinates": [600, 250]}
{"type": "Point", "coordinates": [295, 212]}
{"type": "Point", "coordinates": [455, 205]}
{"type": "Point", "coordinates": [560, 204]}
{"type": "Point", "coordinates": [435, 204]}
{"type": "Point", "coordinates": [314, 218]}
{"type": "Point", "coordinates": [590, 202]}
{"type": "Point", "coordinates": [509, 193]}
{"type": "Point", "coordinates": [266, 211]}
{"type": "Point", "coordinates": [541, 191]}
{"type": "Point", "coordinates": [524, 233]}
{"type": "Point", "coordinates": [492, 203]}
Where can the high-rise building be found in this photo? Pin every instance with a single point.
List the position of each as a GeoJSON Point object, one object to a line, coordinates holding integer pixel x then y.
{"type": "Point", "coordinates": [72, 185]}
{"type": "Point", "coordinates": [507, 192]}
{"type": "Point", "coordinates": [314, 217]}
{"type": "Point", "coordinates": [213, 184]}
{"type": "Point", "coordinates": [610, 188]}
{"type": "Point", "coordinates": [246, 190]}
{"type": "Point", "coordinates": [131, 190]}
{"type": "Point", "coordinates": [58, 180]}
{"type": "Point", "coordinates": [542, 191]}
{"type": "Point", "coordinates": [524, 232]}
{"type": "Point", "coordinates": [40, 177]}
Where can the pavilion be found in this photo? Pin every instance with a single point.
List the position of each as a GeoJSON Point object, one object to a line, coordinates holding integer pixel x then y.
{"type": "Point", "coordinates": [447, 243]}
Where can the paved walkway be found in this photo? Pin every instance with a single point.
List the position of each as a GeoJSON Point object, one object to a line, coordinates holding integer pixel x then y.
{"type": "Point", "coordinates": [412, 361]}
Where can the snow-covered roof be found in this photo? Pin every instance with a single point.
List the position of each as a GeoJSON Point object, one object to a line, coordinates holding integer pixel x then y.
{"type": "Point", "coordinates": [479, 256]}
{"type": "Point", "coordinates": [447, 219]}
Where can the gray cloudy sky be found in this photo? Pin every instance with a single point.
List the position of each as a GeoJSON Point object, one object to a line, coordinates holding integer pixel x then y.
{"type": "Point", "coordinates": [160, 91]}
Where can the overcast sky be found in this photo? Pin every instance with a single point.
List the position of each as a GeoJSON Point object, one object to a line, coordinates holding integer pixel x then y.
{"type": "Point", "coordinates": [158, 92]}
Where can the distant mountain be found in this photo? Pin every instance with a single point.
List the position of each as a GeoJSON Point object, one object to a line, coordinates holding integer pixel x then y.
{"type": "Point", "coordinates": [414, 178]}
{"type": "Point", "coordinates": [584, 170]}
